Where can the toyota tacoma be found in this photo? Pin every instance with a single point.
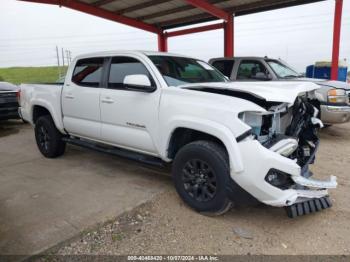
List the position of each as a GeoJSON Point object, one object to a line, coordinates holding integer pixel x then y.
{"type": "Point", "coordinates": [227, 143]}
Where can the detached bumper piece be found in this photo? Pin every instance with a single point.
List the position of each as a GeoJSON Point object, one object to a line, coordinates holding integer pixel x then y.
{"type": "Point", "coordinates": [315, 183]}
{"type": "Point", "coordinates": [308, 206]}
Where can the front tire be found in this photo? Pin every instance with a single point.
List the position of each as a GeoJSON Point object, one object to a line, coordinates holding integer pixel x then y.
{"type": "Point", "coordinates": [48, 138]}
{"type": "Point", "coordinates": [201, 173]}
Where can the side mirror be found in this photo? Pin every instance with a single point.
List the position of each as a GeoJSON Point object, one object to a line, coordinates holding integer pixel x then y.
{"type": "Point", "coordinates": [138, 83]}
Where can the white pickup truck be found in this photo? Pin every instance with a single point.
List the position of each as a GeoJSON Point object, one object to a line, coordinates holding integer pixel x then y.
{"type": "Point", "coordinates": [227, 143]}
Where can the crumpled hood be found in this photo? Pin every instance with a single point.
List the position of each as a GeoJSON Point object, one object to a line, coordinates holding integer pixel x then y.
{"type": "Point", "coordinates": [281, 91]}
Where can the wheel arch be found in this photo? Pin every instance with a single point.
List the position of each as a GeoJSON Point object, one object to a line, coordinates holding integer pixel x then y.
{"type": "Point", "coordinates": [40, 109]}
{"type": "Point", "coordinates": [188, 131]}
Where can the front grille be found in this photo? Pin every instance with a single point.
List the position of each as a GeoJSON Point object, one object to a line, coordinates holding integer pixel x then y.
{"type": "Point", "coordinates": [348, 93]}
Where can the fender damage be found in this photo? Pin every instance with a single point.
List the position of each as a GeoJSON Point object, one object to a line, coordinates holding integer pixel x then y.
{"type": "Point", "coordinates": [282, 142]}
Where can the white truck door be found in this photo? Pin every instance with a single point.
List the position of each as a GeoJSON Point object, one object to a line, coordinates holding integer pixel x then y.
{"type": "Point", "coordinates": [129, 117]}
{"type": "Point", "coordinates": [81, 99]}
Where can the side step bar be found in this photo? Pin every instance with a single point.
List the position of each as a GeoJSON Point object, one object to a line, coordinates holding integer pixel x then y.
{"type": "Point", "coordinates": [308, 206]}
{"type": "Point", "coordinates": [149, 160]}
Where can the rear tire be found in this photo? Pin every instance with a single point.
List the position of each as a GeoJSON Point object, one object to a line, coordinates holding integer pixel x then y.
{"type": "Point", "coordinates": [201, 173]}
{"type": "Point", "coordinates": [48, 138]}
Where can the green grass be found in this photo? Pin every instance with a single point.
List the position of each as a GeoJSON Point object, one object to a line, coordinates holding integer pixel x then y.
{"type": "Point", "coordinates": [18, 75]}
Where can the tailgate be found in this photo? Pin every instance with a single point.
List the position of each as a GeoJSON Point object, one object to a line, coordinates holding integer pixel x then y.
{"type": "Point", "coordinates": [8, 99]}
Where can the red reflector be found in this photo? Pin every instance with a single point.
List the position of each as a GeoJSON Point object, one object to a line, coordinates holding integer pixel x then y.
{"type": "Point", "coordinates": [18, 95]}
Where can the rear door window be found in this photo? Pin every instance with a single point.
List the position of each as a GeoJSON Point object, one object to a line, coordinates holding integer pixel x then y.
{"type": "Point", "coordinates": [224, 66]}
{"type": "Point", "coordinates": [88, 72]}
{"type": "Point", "coordinates": [250, 69]}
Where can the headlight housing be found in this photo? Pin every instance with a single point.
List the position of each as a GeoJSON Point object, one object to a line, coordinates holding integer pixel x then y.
{"type": "Point", "coordinates": [252, 119]}
{"type": "Point", "coordinates": [337, 96]}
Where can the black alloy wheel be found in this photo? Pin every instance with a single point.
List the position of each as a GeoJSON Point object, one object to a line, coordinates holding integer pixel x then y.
{"type": "Point", "coordinates": [43, 138]}
{"type": "Point", "coordinates": [199, 180]}
{"type": "Point", "coordinates": [201, 175]}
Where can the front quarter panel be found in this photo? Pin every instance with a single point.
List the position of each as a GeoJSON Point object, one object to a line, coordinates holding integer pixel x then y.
{"type": "Point", "coordinates": [213, 114]}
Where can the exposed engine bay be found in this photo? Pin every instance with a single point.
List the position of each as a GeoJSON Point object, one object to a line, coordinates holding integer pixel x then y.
{"type": "Point", "coordinates": [290, 131]}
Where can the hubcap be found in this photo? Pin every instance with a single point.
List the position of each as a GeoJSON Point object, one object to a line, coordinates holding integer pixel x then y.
{"type": "Point", "coordinates": [199, 180]}
{"type": "Point", "coordinates": [44, 138]}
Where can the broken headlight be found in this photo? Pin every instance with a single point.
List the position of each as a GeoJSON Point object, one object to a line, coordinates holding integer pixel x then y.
{"type": "Point", "coordinates": [252, 119]}
{"type": "Point", "coordinates": [267, 127]}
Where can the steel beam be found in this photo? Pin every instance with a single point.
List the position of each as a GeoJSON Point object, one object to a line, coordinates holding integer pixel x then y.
{"type": "Point", "coordinates": [229, 37]}
{"type": "Point", "coordinates": [174, 10]}
{"type": "Point", "coordinates": [162, 42]}
{"type": "Point", "coordinates": [195, 30]}
{"type": "Point", "coordinates": [93, 10]}
{"type": "Point", "coordinates": [336, 38]}
{"type": "Point", "coordinates": [50, 2]}
{"type": "Point", "coordinates": [209, 8]}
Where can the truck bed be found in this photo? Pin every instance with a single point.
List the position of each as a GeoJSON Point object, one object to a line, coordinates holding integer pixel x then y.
{"type": "Point", "coordinates": [45, 95]}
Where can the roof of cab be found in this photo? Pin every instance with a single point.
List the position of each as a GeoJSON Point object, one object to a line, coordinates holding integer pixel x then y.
{"type": "Point", "coordinates": [130, 52]}
{"type": "Point", "coordinates": [242, 57]}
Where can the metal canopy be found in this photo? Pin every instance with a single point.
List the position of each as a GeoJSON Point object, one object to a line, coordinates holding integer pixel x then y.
{"type": "Point", "coordinates": [166, 14]}
{"type": "Point", "coordinates": [157, 16]}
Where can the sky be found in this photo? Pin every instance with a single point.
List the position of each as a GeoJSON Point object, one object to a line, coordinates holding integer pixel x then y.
{"type": "Point", "coordinates": [299, 35]}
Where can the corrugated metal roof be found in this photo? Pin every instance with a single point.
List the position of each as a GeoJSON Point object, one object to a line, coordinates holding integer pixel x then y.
{"type": "Point", "coordinates": [153, 15]}
{"type": "Point", "coordinates": [173, 13]}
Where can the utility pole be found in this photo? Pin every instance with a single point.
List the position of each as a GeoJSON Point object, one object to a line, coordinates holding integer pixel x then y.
{"type": "Point", "coordinates": [62, 57]}
{"type": "Point", "coordinates": [67, 56]}
{"type": "Point", "coordinates": [58, 62]}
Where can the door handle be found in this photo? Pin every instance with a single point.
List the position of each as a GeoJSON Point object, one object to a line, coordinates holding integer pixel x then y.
{"type": "Point", "coordinates": [69, 96]}
{"type": "Point", "coordinates": [107, 100]}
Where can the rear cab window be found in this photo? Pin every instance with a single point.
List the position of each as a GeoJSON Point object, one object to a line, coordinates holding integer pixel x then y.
{"type": "Point", "coordinates": [88, 72]}
{"type": "Point", "coordinates": [224, 66]}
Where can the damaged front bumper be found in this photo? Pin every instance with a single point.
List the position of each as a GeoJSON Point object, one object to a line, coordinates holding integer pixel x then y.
{"type": "Point", "coordinates": [258, 162]}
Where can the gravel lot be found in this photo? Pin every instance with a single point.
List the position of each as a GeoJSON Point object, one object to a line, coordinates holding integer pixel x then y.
{"type": "Point", "coordinates": [166, 226]}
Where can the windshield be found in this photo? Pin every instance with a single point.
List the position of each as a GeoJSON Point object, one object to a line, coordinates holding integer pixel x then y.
{"type": "Point", "coordinates": [181, 70]}
{"type": "Point", "coordinates": [282, 70]}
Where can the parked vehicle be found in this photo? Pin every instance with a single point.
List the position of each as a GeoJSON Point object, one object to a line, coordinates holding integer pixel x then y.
{"type": "Point", "coordinates": [228, 143]}
{"type": "Point", "coordinates": [8, 101]}
{"type": "Point", "coordinates": [333, 96]}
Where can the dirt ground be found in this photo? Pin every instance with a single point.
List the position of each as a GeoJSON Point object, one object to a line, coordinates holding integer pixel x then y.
{"type": "Point", "coordinates": [46, 201]}
{"type": "Point", "coordinates": [166, 226]}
